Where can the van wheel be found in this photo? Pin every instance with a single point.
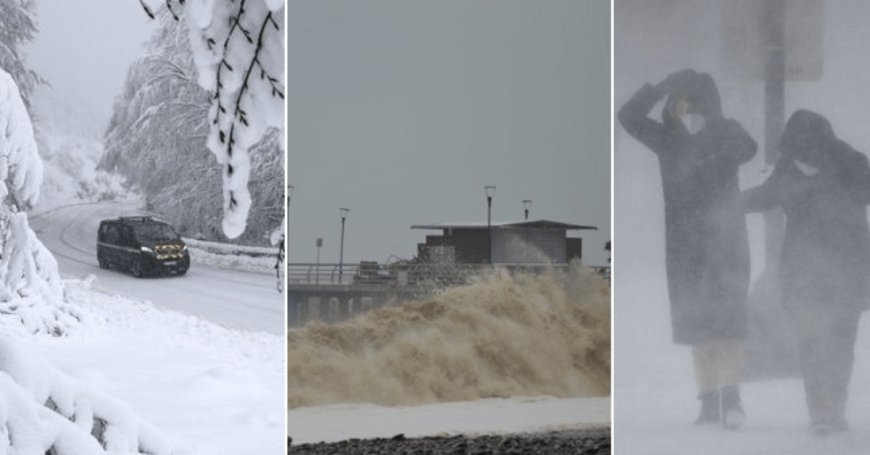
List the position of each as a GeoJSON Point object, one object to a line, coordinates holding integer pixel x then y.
{"type": "Point", "coordinates": [136, 269]}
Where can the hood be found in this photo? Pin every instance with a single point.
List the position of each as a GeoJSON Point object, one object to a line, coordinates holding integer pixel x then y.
{"type": "Point", "coordinates": [807, 136]}
{"type": "Point", "coordinates": [702, 95]}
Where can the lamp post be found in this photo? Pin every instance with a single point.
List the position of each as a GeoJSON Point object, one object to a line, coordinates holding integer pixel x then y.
{"type": "Point", "coordinates": [527, 204]}
{"type": "Point", "coordinates": [344, 213]}
{"type": "Point", "coordinates": [287, 234]}
{"type": "Point", "coordinates": [319, 244]}
{"type": "Point", "coordinates": [490, 192]}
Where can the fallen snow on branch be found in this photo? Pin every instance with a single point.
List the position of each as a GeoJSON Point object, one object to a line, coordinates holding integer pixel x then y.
{"type": "Point", "coordinates": [20, 165]}
{"type": "Point", "coordinates": [239, 51]}
{"type": "Point", "coordinates": [45, 411]}
{"type": "Point", "coordinates": [31, 293]}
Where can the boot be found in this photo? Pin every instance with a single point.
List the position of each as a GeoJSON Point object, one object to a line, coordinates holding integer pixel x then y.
{"type": "Point", "coordinates": [732, 411]}
{"type": "Point", "coordinates": [709, 408]}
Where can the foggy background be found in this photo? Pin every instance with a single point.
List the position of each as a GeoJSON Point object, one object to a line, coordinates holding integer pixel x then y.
{"type": "Point", "coordinates": [83, 49]}
{"type": "Point", "coordinates": [403, 110]}
{"type": "Point", "coordinates": [654, 383]}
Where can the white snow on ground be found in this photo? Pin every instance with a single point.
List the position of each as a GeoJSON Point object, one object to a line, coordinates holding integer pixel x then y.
{"type": "Point", "coordinates": [655, 402]}
{"type": "Point", "coordinates": [209, 389]}
{"type": "Point", "coordinates": [492, 416]}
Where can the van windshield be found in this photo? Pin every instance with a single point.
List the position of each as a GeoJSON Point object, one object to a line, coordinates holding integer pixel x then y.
{"type": "Point", "coordinates": [154, 232]}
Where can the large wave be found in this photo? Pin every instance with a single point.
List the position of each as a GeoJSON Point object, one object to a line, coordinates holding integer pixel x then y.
{"type": "Point", "coordinates": [502, 335]}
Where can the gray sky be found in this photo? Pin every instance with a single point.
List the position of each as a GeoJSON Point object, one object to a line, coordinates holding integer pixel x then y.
{"type": "Point", "coordinates": [402, 110]}
{"type": "Point", "coordinates": [83, 49]}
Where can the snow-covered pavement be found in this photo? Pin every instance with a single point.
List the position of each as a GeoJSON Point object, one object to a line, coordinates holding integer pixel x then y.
{"type": "Point", "coordinates": [233, 299]}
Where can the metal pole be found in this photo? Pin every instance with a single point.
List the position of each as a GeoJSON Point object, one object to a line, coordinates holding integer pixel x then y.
{"type": "Point", "coordinates": [489, 212]}
{"type": "Point", "coordinates": [774, 113]}
{"type": "Point", "coordinates": [527, 214]}
{"type": "Point", "coordinates": [490, 191]}
{"type": "Point", "coordinates": [287, 240]}
{"type": "Point", "coordinates": [489, 225]}
{"type": "Point", "coordinates": [317, 267]}
{"type": "Point", "coordinates": [341, 251]}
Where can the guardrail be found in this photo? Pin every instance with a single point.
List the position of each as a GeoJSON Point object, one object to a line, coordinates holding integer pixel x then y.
{"type": "Point", "coordinates": [231, 249]}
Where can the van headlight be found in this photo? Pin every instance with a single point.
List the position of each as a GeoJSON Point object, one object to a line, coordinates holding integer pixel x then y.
{"type": "Point", "coordinates": [145, 249]}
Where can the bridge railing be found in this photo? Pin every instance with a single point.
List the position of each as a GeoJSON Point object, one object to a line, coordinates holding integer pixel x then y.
{"type": "Point", "coordinates": [402, 274]}
{"type": "Point", "coordinates": [322, 273]}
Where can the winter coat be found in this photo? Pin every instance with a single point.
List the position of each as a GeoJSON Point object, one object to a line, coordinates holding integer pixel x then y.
{"type": "Point", "coordinates": [825, 258]}
{"type": "Point", "coordinates": [707, 248]}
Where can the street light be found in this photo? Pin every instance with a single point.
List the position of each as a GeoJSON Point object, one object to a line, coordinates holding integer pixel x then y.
{"type": "Point", "coordinates": [344, 213]}
{"type": "Point", "coordinates": [527, 204]}
{"type": "Point", "coordinates": [490, 192]}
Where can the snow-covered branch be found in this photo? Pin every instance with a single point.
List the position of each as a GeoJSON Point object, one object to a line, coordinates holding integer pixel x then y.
{"type": "Point", "coordinates": [157, 139]}
{"type": "Point", "coordinates": [239, 50]}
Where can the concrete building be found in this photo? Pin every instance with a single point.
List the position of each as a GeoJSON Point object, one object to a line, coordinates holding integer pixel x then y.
{"type": "Point", "coordinates": [524, 242]}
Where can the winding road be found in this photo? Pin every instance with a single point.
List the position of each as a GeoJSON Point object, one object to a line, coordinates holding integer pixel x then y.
{"type": "Point", "coordinates": [233, 299]}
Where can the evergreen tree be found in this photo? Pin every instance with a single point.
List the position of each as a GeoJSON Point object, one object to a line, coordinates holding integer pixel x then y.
{"type": "Point", "coordinates": [18, 27]}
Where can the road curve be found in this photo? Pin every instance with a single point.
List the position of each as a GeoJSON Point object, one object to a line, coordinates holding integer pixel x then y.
{"type": "Point", "coordinates": [234, 299]}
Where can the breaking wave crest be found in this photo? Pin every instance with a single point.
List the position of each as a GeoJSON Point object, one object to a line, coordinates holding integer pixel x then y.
{"type": "Point", "coordinates": [502, 335]}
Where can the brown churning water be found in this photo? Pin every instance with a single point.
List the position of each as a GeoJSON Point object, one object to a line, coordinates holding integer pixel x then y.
{"type": "Point", "coordinates": [503, 335]}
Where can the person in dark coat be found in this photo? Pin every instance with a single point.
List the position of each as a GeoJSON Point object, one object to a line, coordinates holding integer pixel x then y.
{"type": "Point", "coordinates": [823, 186]}
{"type": "Point", "coordinates": [707, 247]}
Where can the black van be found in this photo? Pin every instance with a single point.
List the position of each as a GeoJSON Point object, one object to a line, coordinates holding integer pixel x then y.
{"type": "Point", "coordinates": [141, 245]}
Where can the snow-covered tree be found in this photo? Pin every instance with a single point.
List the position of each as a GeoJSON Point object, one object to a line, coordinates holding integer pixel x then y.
{"type": "Point", "coordinates": [238, 47]}
{"type": "Point", "coordinates": [157, 140]}
{"type": "Point", "coordinates": [18, 27]}
{"type": "Point", "coordinates": [30, 288]}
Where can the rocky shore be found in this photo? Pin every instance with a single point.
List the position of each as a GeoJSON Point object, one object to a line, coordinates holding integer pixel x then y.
{"type": "Point", "coordinates": [575, 442]}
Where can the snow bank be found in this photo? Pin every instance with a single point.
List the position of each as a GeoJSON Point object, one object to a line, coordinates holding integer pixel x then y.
{"type": "Point", "coordinates": [233, 257]}
{"type": "Point", "coordinates": [211, 390]}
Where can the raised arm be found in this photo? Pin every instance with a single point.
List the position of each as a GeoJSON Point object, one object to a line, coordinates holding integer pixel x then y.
{"type": "Point", "coordinates": [634, 117]}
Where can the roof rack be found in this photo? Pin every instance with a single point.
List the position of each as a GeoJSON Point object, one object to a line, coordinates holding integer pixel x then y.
{"type": "Point", "coordinates": [136, 218]}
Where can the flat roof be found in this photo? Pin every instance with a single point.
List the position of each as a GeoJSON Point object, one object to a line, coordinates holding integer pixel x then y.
{"type": "Point", "coordinates": [536, 224]}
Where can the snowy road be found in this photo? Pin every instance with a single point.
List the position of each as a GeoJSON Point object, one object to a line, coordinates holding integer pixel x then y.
{"type": "Point", "coordinates": [233, 299]}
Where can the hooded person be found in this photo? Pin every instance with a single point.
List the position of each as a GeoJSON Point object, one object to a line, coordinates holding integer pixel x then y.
{"type": "Point", "coordinates": [823, 186]}
{"type": "Point", "coordinates": [707, 248]}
